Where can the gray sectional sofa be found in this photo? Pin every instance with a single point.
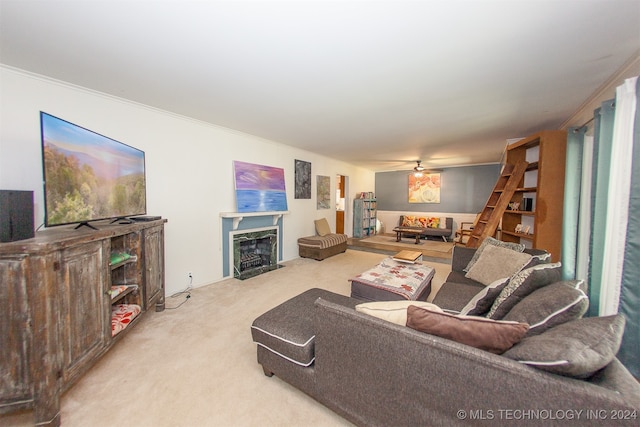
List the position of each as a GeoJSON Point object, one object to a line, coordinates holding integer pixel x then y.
{"type": "Point", "coordinates": [378, 373]}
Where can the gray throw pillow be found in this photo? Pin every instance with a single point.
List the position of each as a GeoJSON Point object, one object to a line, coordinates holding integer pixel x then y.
{"type": "Point", "coordinates": [483, 300]}
{"type": "Point", "coordinates": [550, 306]}
{"type": "Point", "coordinates": [493, 242]}
{"type": "Point", "coordinates": [578, 348]}
{"type": "Point", "coordinates": [521, 285]}
{"type": "Point", "coordinates": [495, 263]}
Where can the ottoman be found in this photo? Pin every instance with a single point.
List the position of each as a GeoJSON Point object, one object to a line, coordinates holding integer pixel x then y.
{"type": "Point", "coordinates": [393, 280]}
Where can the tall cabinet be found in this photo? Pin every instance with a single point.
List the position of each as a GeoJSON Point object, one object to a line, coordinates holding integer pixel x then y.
{"type": "Point", "coordinates": [60, 296]}
{"type": "Point", "coordinates": [535, 214]}
{"type": "Point", "coordinates": [364, 217]}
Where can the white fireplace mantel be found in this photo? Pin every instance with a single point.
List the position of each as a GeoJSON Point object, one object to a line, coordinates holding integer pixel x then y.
{"type": "Point", "coordinates": [239, 216]}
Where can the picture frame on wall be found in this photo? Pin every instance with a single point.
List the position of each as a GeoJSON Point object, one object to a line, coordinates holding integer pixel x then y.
{"type": "Point", "coordinates": [323, 190]}
{"type": "Point", "coordinates": [425, 188]}
{"type": "Point", "coordinates": [302, 179]}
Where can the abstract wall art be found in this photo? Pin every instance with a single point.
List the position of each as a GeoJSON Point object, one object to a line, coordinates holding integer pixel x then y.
{"type": "Point", "coordinates": [324, 192]}
{"type": "Point", "coordinates": [303, 179]}
{"type": "Point", "coordinates": [425, 188]}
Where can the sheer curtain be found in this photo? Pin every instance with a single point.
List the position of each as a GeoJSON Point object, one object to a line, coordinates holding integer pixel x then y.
{"type": "Point", "coordinates": [601, 229]}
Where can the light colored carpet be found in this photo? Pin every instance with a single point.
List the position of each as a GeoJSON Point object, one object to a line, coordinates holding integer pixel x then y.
{"type": "Point", "coordinates": [196, 365]}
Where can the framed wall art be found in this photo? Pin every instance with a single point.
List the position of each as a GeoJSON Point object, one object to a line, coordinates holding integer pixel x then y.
{"type": "Point", "coordinates": [303, 179]}
{"type": "Point", "coordinates": [425, 188]}
{"type": "Point", "coordinates": [259, 188]}
{"type": "Point", "coordinates": [323, 189]}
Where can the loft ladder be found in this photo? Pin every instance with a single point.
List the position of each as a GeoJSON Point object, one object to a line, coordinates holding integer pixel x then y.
{"type": "Point", "coordinates": [499, 199]}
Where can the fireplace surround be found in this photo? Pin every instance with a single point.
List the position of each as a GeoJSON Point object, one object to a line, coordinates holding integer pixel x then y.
{"type": "Point", "coordinates": [238, 232]}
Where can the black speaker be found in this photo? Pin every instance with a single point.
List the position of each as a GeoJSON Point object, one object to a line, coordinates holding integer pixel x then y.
{"type": "Point", "coordinates": [16, 215]}
{"type": "Point", "coordinates": [527, 204]}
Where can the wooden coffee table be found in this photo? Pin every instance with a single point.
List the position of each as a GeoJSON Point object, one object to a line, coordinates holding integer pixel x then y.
{"type": "Point", "coordinates": [417, 231]}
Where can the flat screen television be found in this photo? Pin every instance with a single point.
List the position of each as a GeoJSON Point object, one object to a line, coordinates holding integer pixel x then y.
{"type": "Point", "coordinates": [87, 176]}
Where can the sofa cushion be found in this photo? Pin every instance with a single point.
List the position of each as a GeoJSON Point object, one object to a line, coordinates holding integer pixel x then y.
{"type": "Point", "coordinates": [393, 311]}
{"type": "Point", "coordinates": [490, 241]}
{"type": "Point", "coordinates": [521, 285]}
{"type": "Point", "coordinates": [483, 300]}
{"type": "Point", "coordinates": [497, 262]}
{"type": "Point", "coordinates": [485, 334]}
{"type": "Point", "coordinates": [550, 306]}
{"type": "Point", "coordinates": [578, 348]}
{"type": "Point", "coordinates": [322, 227]}
{"type": "Point", "coordinates": [456, 292]}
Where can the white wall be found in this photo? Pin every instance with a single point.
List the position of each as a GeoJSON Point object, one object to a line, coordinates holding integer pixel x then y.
{"type": "Point", "coordinates": [189, 167]}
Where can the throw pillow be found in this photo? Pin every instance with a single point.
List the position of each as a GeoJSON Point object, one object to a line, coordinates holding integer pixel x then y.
{"type": "Point", "coordinates": [493, 242]}
{"type": "Point", "coordinates": [495, 263]}
{"type": "Point", "coordinates": [433, 222]}
{"type": "Point", "coordinates": [483, 300]}
{"type": "Point", "coordinates": [522, 284]}
{"type": "Point", "coordinates": [322, 227]}
{"type": "Point", "coordinates": [443, 223]}
{"type": "Point", "coordinates": [409, 221]}
{"type": "Point", "coordinates": [578, 348]}
{"type": "Point", "coordinates": [393, 311]}
{"type": "Point", "coordinates": [485, 334]}
{"type": "Point", "coordinates": [550, 306]}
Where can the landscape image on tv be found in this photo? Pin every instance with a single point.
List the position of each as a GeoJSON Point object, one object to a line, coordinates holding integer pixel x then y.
{"type": "Point", "coordinates": [88, 176]}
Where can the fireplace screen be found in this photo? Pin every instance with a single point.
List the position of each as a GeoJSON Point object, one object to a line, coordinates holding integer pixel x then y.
{"type": "Point", "coordinates": [255, 253]}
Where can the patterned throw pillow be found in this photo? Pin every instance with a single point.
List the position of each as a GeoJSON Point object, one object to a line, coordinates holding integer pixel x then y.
{"type": "Point", "coordinates": [433, 222]}
{"type": "Point", "coordinates": [408, 221]}
{"type": "Point", "coordinates": [421, 222]}
{"type": "Point", "coordinates": [522, 284]}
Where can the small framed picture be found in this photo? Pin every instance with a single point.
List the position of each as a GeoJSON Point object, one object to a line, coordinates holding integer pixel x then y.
{"type": "Point", "coordinates": [518, 228]}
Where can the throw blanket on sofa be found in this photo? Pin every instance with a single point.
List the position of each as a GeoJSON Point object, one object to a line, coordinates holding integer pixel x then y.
{"type": "Point", "coordinates": [400, 278]}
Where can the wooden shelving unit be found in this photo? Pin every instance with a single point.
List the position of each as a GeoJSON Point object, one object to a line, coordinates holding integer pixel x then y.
{"type": "Point", "coordinates": [59, 304]}
{"type": "Point", "coordinates": [364, 217]}
{"type": "Point", "coordinates": [543, 183]}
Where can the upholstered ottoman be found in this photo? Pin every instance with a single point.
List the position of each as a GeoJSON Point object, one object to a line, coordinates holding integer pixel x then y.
{"type": "Point", "coordinates": [393, 280]}
{"type": "Point", "coordinates": [285, 336]}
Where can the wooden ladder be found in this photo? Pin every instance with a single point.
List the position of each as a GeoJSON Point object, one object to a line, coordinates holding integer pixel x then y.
{"type": "Point", "coordinates": [499, 199]}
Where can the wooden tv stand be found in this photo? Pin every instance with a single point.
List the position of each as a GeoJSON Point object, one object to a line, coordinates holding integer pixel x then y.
{"type": "Point", "coordinates": [56, 305]}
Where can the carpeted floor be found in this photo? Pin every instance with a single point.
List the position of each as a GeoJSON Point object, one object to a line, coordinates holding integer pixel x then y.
{"type": "Point", "coordinates": [196, 365]}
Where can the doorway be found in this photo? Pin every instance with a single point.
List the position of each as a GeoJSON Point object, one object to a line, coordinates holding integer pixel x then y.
{"type": "Point", "coordinates": [340, 203]}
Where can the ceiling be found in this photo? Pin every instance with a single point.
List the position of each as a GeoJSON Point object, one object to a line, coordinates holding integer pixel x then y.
{"type": "Point", "coordinates": [375, 83]}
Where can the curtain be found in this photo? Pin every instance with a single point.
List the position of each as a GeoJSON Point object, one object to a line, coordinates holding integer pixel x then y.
{"type": "Point", "coordinates": [629, 353]}
{"type": "Point", "coordinates": [572, 198]}
{"type": "Point", "coordinates": [602, 207]}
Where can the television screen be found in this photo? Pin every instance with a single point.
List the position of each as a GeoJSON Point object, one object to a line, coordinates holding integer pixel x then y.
{"type": "Point", "coordinates": [88, 176]}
